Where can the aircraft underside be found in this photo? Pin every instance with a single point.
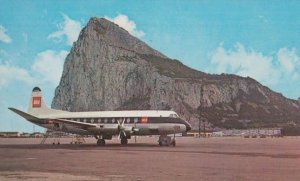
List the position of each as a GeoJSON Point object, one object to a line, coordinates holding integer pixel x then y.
{"type": "Point", "coordinates": [106, 132]}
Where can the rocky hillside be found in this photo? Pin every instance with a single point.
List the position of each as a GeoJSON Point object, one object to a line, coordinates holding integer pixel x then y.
{"type": "Point", "coordinates": [108, 69]}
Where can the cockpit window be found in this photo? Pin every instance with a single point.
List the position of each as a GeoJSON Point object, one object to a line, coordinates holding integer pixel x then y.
{"type": "Point", "coordinates": [173, 116]}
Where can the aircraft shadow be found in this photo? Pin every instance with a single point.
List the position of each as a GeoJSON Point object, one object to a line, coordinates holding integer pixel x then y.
{"type": "Point", "coordinates": [143, 147]}
{"type": "Point", "coordinates": [77, 146]}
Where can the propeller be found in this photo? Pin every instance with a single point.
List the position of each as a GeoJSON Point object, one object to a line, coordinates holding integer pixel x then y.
{"type": "Point", "coordinates": [121, 129]}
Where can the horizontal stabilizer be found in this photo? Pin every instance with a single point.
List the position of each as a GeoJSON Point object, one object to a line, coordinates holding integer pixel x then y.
{"type": "Point", "coordinates": [24, 115]}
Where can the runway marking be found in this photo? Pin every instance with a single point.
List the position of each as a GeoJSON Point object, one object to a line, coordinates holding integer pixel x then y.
{"type": "Point", "coordinates": [31, 158]}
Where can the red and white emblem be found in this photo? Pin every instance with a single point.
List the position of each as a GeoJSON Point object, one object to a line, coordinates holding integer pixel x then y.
{"type": "Point", "coordinates": [36, 102]}
{"type": "Point", "coordinates": [144, 120]}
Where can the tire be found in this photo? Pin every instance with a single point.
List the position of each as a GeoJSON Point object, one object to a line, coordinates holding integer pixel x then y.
{"type": "Point", "coordinates": [124, 141]}
{"type": "Point", "coordinates": [101, 142]}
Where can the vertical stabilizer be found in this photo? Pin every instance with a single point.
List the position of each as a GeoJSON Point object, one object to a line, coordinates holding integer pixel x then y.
{"type": "Point", "coordinates": [37, 105]}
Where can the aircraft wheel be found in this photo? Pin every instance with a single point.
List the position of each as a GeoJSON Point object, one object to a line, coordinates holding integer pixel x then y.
{"type": "Point", "coordinates": [124, 141]}
{"type": "Point", "coordinates": [173, 143]}
{"type": "Point", "coordinates": [101, 142]}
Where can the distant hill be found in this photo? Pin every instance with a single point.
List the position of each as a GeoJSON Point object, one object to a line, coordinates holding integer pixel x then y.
{"type": "Point", "coordinates": [108, 69]}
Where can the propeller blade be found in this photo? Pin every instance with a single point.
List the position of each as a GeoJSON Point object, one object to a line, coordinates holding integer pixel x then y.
{"type": "Point", "coordinates": [121, 129]}
{"type": "Point", "coordinates": [123, 122]}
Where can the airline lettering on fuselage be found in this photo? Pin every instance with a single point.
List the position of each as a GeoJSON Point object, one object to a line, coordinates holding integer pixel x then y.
{"type": "Point", "coordinates": [144, 120]}
{"type": "Point", "coordinates": [176, 128]}
{"type": "Point", "coordinates": [36, 102]}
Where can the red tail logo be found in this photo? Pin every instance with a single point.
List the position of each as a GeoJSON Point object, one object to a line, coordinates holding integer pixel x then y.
{"type": "Point", "coordinates": [36, 101]}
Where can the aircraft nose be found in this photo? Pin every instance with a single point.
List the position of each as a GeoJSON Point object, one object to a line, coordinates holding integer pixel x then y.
{"type": "Point", "coordinates": [188, 127]}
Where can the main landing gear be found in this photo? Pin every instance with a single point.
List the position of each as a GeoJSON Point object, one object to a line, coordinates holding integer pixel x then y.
{"type": "Point", "coordinates": [101, 142]}
{"type": "Point", "coordinates": [123, 137]}
{"type": "Point", "coordinates": [124, 141]}
{"type": "Point", "coordinates": [101, 139]}
{"type": "Point", "coordinates": [165, 140]}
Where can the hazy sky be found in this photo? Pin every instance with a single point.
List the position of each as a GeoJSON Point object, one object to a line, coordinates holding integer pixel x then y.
{"type": "Point", "coordinates": [259, 39]}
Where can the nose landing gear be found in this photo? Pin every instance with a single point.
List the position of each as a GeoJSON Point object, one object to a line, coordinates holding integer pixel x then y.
{"type": "Point", "coordinates": [165, 140]}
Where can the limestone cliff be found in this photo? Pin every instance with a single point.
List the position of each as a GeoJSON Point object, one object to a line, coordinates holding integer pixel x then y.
{"type": "Point", "coordinates": [108, 69]}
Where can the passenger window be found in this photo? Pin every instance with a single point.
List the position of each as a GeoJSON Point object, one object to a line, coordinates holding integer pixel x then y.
{"type": "Point", "coordinates": [128, 120]}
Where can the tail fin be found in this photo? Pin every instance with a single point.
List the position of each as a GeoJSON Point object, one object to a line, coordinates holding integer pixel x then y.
{"type": "Point", "coordinates": [37, 105]}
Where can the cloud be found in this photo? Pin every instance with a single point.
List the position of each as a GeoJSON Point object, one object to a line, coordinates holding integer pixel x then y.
{"type": "Point", "coordinates": [47, 68]}
{"type": "Point", "coordinates": [25, 37]}
{"type": "Point", "coordinates": [127, 24]}
{"type": "Point", "coordinates": [3, 55]}
{"type": "Point", "coordinates": [68, 29]}
{"type": "Point", "coordinates": [280, 70]}
{"type": "Point", "coordinates": [49, 65]}
{"type": "Point", "coordinates": [3, 36]}
{"type": "Point", "coordinates": [290, 62]}
{"type": "Point", "coordinates": [263, 19]}
{"type": "Point", "coordinates": [10, 73]}
{"type": "Point", "coordinates": [244, 63]}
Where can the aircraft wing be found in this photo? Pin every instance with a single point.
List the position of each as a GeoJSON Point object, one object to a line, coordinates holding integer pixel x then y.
{"type": "Point", "coordinates": [76, 123]}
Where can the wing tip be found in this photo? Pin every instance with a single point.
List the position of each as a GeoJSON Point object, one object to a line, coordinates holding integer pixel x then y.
{"type": "Point", "coordinates": [12, 109]}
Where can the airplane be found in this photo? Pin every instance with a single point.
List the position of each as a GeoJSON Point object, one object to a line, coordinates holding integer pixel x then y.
{"type": "Point", "coordinates": [103, 125]}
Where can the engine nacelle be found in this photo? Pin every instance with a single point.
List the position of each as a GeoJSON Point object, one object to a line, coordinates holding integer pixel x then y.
{"type": "Point", "coordinates": [131, 130]}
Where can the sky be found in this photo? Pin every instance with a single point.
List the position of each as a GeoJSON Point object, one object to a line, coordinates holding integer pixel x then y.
{"type": "Point", "coordinates": [257, 38]}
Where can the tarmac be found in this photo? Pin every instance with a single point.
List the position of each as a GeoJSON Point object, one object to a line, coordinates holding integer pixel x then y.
{"type": "Point", "coordinates": [222, 158]}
